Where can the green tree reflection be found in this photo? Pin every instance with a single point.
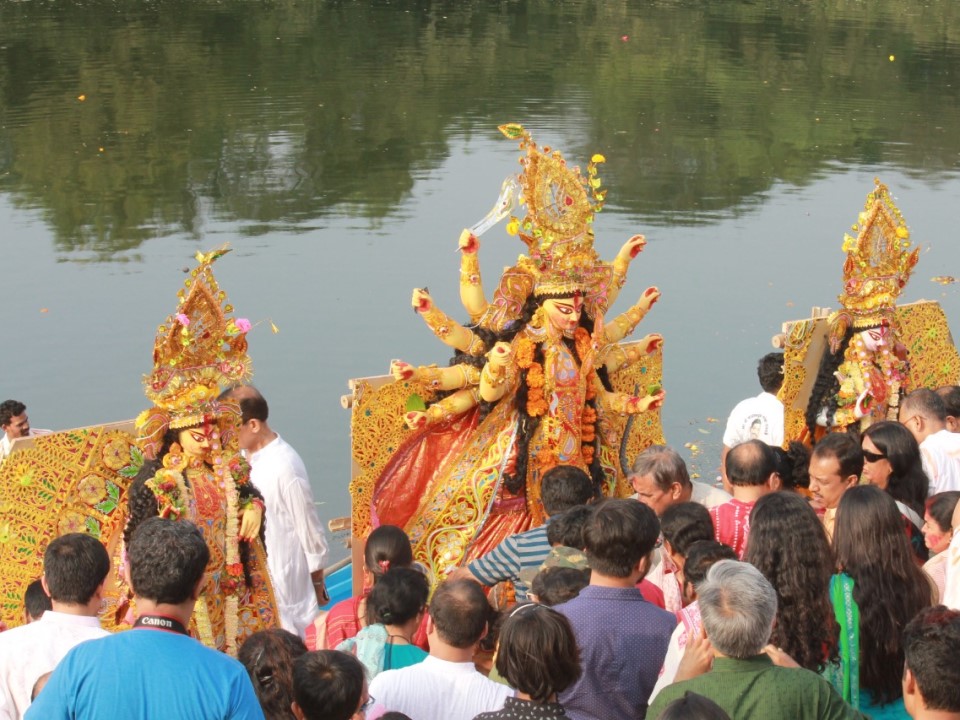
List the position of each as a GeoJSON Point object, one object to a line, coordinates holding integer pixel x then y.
{"type": "Point", "coordinates": [275, 114]}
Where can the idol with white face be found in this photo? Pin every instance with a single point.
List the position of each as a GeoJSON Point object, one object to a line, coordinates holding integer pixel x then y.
{"type": "Point", "coordinates": [875, 338]}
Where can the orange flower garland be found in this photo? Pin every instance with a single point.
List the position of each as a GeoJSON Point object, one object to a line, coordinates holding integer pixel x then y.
{"type": "Point", "coordinates": [524, 352]}
{"type": "Point", "coordinates": [588, 418]}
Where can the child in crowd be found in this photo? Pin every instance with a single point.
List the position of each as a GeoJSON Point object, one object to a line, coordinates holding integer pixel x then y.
{"type": "Point", "coordinates": [395, 606]}
{"type": "Point", "coordinates": [387, 547]}
{"type": "Point", "coordinates": [701, 556]}
{"type": "Point", "coordinates": [268, 656]}
{"type": "Point", "coordinates": [538, 657]}
{"type": "Point", "coordinates": [36, 602]}
{"type": "Point", "coordinates": [557, 584]}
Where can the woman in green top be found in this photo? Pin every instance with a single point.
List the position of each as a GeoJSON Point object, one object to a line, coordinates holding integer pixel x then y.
{"type": "Point", "coordinates": [877, 591]}
{"type": "Point", "coordinates": [395, 609]}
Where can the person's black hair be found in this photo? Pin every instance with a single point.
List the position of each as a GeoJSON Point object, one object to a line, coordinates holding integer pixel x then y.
{"type": "Point", "coordinates": [701, 556]}
{"type": "Point", "coordinates": [845, 448]}
{"type": "Point", "coordinates": [618, 534]}
{"type": "Point", "coordinates": [10, 409]}
{"type": "Point", "coordinates": [693, 707]}
{"type": "Point", "coordinates": [268, 656]}
{"type": "Point", "coordinates": [35, 600]}
{"type": "Point", "coordinates": [770, 372]}
{"type": "Point", "coordinates": [564, 486]}
{"type": "Point", "coordinates": [750, 463]}
{"type": "Point", "coordinates": [538, 654]}
{"type": "Point", "coordinates": [398, 597]}
{"type": "Point", "coordinates": [827, 384]}
{"type": "Point", "coordinates": [555, 585]}
{"type": "Point", "coordinates": [460, 612]}
{"type": "Point", "coordinates": [685, 523]}
{"type": "Point", "coordinates": [253, 406]}
{"type": "Point", "coordinates": [788, 544]}
{"type": "Point", "coordinates": [75, 565]}
{"type": "Point", "coordinates": [888, 585]}
{"type": "Point", "coordinates": [941, 507]}
{"type": "Point", "coordinates": [394, 715]}
{"type": "Point", "coordinates": [950, 394]}
{"type": "Point", "coordinates": [793, 466]}
{"type": "Point", "coordinates": [931, 645]}
{"type": "Point", "coordinates": [907, 483]}
{"type": "Point", "coordinates": [567, 527]}
{"type": "Point", "coordinates": [926, 403]}
{"type": "Point", "coordinates": [167, 559]}
{"type": "Point", "coordinates": [328, 685]}
{"type": "Point", "coordinates": [387, 547]}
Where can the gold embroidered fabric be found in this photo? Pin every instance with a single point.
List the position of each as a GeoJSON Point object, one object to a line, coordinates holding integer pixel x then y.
{"type": "Point", "coordinates": [71, 481]}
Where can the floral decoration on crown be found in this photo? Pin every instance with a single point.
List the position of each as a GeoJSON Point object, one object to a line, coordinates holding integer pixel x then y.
{"type": "Point", "coordinates": [199, 351]}
{"type": "Point", "coordinates": [879, 263]}
{"type": "Point", "coordinates": [557, 229]}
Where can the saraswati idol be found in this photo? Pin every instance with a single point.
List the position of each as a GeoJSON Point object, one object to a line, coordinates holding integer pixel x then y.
{"type": "Point", "coordinates": [194, 469]}
{"type": "Point", "coordinates": [529, 386]}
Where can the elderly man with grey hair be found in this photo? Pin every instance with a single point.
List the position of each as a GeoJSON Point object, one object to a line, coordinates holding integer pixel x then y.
{"type": "Point", "coordinates": [660, 479]}
{"type": "Point", "coordinates": [738, 607]}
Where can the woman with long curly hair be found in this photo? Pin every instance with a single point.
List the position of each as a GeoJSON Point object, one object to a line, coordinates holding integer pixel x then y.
{"type": "Point", "coordinates": [788, 544]}
{"type": "Point", "coordinates": [877, 590]}
{"type": "Point", "coordinates": [891, 461]}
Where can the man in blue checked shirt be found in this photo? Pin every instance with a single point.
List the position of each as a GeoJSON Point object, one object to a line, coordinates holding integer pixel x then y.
{"type": "Point", "coordinates": [562, 488]}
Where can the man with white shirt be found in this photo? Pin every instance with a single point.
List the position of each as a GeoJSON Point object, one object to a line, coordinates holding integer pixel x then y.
{"type": "Point", "coordinates": [75, 567]}
{"type": "Point", "coordinates": [15, 424]}
{"type": "Point", "coordinates": [296, 546]}
{"type": "Point", "coordinates": [447, 685]}
{"type": "Point", "coordinates": [760, 417]}
{"type": "Point", "coordinates": [924, 415]}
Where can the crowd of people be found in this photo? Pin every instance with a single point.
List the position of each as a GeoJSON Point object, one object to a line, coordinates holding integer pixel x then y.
{"type": "Point", "coordinates": [813, 585]}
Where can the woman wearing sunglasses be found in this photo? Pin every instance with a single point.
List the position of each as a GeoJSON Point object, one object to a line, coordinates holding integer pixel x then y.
{"type": "Point", "coordinates": [891, 461]}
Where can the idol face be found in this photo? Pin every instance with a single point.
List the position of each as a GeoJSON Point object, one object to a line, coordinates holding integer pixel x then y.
{"type": "Point", "coordinates": [564, 314]}
{"type": "Point", "coordinates": [195, 441]}
{"type": "Point", "coordinates": [875, 338]}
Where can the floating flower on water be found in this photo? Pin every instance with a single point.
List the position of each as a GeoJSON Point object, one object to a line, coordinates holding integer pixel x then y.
{"type": "Point", "coordinates": [944, 279]}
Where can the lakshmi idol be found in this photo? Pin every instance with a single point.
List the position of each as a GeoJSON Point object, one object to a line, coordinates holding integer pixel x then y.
{"type": "Point", "coordinates": [194, 469]}
{"type": "Point", "coordinates": [864, 371]}
{"type": "Point", "coordinates": [528, 387]}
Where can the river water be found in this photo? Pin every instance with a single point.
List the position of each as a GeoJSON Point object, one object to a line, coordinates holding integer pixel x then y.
{"type": "Point", "coordinates": [341, 146]}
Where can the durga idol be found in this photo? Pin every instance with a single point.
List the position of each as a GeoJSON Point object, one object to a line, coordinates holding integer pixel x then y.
{"type": "Point", "coordinates": [528, 388]}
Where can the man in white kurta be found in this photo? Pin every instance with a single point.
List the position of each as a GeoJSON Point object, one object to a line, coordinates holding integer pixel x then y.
{"type": "Point", "coordinates": [75, 567]}
{"type": "Point", "coordinates": [296, 546]}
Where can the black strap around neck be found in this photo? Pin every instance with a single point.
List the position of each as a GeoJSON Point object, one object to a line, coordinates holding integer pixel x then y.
{"type": "Point", "coordinates": [160, 622]}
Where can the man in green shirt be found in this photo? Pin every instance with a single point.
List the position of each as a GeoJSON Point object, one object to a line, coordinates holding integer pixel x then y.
{"type": "Point", "coordinates": [738, 607]}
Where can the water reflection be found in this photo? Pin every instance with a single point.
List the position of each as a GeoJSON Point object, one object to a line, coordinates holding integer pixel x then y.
{"type": "Point", "coordinates": [123, 121]}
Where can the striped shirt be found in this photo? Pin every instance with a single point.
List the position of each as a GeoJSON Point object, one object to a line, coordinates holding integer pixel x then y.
{"type": "Point", "coordinates": [518, 552]}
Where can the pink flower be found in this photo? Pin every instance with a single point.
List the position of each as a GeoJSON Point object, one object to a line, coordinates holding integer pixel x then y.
{"type": "Point", "coordinates": [243, 325]}
{"type": "Point", "coordinates": [183, 319]}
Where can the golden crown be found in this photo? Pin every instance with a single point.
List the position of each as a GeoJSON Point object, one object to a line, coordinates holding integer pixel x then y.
{"type": "Point", "coordinates": [561, 203]}
{"type": "Point", "coordinates": [879, 260]}
{"type": "Point", "coordinates": [198, 352]}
